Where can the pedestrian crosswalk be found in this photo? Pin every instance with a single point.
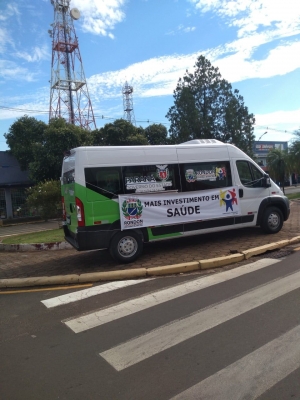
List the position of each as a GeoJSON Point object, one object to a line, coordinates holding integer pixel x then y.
{"type": "Point", "coordinates": [253, 374]}
{"type": "Point", "coordinates": [260, 369]}
{"type": "Point", "coordinates": [138, 349]}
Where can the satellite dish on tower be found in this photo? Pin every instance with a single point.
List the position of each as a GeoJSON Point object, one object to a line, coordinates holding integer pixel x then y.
{"type": "Point", "coordinates": [75, 14]}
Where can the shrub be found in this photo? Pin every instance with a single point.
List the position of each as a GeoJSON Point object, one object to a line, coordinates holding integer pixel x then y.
{"type": "Point", "coordinates": [46, 198]}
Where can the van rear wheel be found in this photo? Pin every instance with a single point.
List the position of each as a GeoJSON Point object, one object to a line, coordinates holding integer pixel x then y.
{"type": "Point", "coordinates": [126, 247]}
{"type": "Point", "coordinates": [272, 220]}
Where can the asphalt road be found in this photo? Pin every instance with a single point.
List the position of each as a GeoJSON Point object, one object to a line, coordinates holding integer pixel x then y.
{"type": "Point", "coordinates": [228, 335]}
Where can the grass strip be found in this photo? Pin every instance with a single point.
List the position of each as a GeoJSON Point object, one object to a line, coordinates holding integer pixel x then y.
{"type": "Point", "coordinates": [293, 196]}
{"type": "Point", "coordinates": [55, 235]}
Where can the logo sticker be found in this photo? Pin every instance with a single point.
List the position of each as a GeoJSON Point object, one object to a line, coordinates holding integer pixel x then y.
{"type": "Point", "coordinates": [228, 198]}
{"type": "Point", "coordinates": [132, 209]}
{"type": "Point", "coordinates": [221, 173]}
{"type": "Point", "coordinates": [162, 172]}
{"type": "Point", "coordinates": [190, 175]}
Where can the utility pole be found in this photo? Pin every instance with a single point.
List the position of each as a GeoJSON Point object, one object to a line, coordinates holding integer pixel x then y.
{"type": "Point", "coordinates": [128, 103]}
{"type": "Point", "coordinates": [69, 96]}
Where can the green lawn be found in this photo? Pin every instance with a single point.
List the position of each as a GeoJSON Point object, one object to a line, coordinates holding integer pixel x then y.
{"type": "Point", "coordinates": [56, 235]}
{"type": "Point", "coordinates": [292, 196]}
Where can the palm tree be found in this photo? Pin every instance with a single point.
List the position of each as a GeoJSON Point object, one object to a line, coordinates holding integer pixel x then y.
{"type": "Point", "coordinates": [294, 155]}
{"type": "Point", "coordinates": [278, 162]}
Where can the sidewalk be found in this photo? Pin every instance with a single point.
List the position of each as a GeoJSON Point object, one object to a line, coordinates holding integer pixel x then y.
{"type": "Point", "coordinates": [188, 249]}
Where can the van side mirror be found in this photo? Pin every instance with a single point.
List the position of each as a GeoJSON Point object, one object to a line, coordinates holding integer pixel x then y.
{"type": "Point", "coordinates": [266, 182]}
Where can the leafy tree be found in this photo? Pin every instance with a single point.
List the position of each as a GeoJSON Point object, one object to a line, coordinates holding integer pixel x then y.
{"type": "Point", "coordinates": [278, 164]}
{"type": "Point", "coordinates": [297, 134]}
{"type": "Point", "coordinates": [206, 106]}
{"type": "Point", "coordinates": [46, 198]}
{"type": "Point", "coordinates": [23, 136]}
{"type": "Point", "coordinates": [59, 137]}
{"type": "Point", "coordinates": [40, 148]}
{"type": "Point", "coordinates": [119, 133]}
{"type": "Point", "coordinates": [156, 134]}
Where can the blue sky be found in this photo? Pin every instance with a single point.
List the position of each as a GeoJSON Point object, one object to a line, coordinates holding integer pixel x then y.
{"type": "Point", "coordinates": [150, 44]}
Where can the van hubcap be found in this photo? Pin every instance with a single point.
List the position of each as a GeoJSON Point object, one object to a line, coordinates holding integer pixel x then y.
{"type": "Point", "coordinates": [127, 246]}
{"type": "Point", "coordinates": [273, 220]}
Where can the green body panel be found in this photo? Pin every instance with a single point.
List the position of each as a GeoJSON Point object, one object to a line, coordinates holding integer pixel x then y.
{"type": "Point", "coordinates": [166, 236]}
{"type": "Point", "coordinates": [96, 208]}
{"type": "Point", "coordinates": [68, 192]}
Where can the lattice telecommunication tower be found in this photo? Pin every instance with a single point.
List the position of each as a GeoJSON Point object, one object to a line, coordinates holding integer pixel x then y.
{"type": "Point", "coordinates": [128, 103]}
{"type": "Point", "coordinates": [69, 96]}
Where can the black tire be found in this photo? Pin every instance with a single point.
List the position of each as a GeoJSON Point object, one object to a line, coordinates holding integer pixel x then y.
{"type": "Point", "coordinates": [272, 220]}
{"type": "Point", "coordinates": [126, 246]}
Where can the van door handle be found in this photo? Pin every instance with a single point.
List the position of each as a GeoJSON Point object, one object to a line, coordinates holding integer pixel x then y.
{"type": "Point", "coordinates": [241, 193]}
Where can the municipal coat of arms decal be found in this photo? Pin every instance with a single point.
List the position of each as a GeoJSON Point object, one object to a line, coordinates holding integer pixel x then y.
{"type": "Point", "coordinates": [132, 208]}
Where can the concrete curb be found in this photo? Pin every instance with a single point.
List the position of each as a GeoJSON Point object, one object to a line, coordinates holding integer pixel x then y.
{"type": "Point", "coordinates": [144, 272]}
{"type": "Point", "coordinates": [35, 246]}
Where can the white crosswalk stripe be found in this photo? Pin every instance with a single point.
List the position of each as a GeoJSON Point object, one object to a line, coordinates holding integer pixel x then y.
{"type": "Point", "coordinates": [132, 306]}
{"type": "Point", "coordinates": [86, 293]}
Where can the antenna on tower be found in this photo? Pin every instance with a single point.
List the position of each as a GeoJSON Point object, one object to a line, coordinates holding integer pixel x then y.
{"type": "Point", "coordinates": [69, 96]}
{"type": "Point", "coordinates": [128, 103]}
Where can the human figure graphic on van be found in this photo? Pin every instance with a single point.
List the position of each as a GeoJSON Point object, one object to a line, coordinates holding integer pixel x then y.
{"type": "Point", "coordinates": [233, 194]}
{"type": "Point", "coordinates": [228, 201]}
{"type": "Point", "coordinates": [221, 173]}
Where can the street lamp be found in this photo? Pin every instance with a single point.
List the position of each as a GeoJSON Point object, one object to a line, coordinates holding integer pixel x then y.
{"type": "Point", "coordinates": [262, 135]}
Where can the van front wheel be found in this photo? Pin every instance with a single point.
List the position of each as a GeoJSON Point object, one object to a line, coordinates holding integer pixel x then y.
{"type": "Point", "coordinates": [272, 220]}
{"type": "Point", "coordinates": [126, 247]}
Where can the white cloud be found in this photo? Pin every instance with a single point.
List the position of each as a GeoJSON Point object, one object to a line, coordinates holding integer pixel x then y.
{"type": "Point", "coordinates": [11, 10]}
{"type": "Point", "coordinates": [280, 61]}
{"type": "Point", "coordinates": [35, 55]}
{"type": "Point", "coordinates": [100, 16]}
{"type": "Point", "coordinates": [236, 60]}
{"type": "Point", "coordinates": [250, 15]}
{"type": "Point", "coordinates": [158, 76]}
{"type": "Point", "coordinates": [34, 103]}
{"type": "Point", "coordinates": [182, 28]}
{"type": "Point", "coordinates": [189, 29]}
{"type": "Point", "coordinates": [291, 117]}
{"type": "Point", "coordinates": [10, 70]}
{"type": "Point", "coordinates": [153, 77]}
{"type": "Point", "coordinates": [5, 40]}
{"type": "Point", "coordinates": [278, 124]}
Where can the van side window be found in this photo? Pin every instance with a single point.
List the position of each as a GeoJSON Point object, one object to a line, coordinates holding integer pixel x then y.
{"type": "Point", "coordinates": [249, 175]}
{"type": "Point", "coordinates": [69, 177]}
{"type": "Point", "coordinates": [206, 175]}
{"type": "Point", "coordinates": [106, 180]}
{"type": "Point", "coordinates": [150, 178]}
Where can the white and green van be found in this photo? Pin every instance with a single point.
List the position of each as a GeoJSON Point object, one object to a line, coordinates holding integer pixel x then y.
{"type": "Point", "coordinates": [118, 198]}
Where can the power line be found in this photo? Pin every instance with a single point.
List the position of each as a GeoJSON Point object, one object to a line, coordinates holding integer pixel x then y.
{"type": "Point", "coordinates": [272, 129]}
{"type": "Point", "coordinates": [96, 116]}
{"type": "Point", "coordinates": [148, 121]}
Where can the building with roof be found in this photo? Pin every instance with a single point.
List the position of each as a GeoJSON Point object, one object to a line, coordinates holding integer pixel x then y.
{"type": "Point", "coordinates": [262, 148]}
{"type": "Point", "coordinates": [13, 183]}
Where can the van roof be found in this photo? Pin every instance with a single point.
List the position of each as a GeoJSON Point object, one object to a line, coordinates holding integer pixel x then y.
{"type": "Point", "coordinates": [188, 143]}
{"type": "Point", "coordinates": [203, 141]}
